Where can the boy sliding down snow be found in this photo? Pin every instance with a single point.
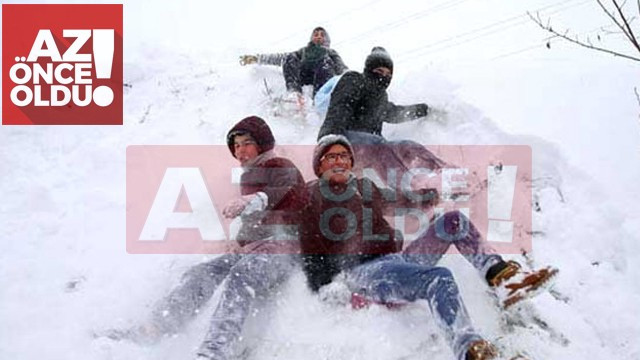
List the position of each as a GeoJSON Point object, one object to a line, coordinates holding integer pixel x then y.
{"type": "Point", "coordinates": [313, 64]}
{"type": "Point", "coordinates": [272, 190]}
{"type": "Point", "coordinates": [343, 230]}
{"type": "Point", "coordinates": [358, 108]}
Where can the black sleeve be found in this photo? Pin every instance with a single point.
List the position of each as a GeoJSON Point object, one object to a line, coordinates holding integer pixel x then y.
{"type": "Point", "coordinates": [401, 113]}
{"type": "Point", "coordinates": [339, 67]}
{"type": "Point", "coordinates": [344, 98]}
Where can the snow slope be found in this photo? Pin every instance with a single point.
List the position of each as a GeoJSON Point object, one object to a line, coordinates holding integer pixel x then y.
{"type": "Point", "coordinates": [65, 271]}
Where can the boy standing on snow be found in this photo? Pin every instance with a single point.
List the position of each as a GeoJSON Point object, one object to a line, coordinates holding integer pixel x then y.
{"type": "Point", "coordinates": [313, 64]}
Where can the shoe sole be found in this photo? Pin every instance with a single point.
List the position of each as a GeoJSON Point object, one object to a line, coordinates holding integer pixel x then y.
{"type": "Point", "coordinates": [544, 284]}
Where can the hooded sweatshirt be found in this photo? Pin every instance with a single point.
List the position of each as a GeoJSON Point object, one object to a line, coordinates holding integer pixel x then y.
{"type": "Point", "coordinates": [278, 178]}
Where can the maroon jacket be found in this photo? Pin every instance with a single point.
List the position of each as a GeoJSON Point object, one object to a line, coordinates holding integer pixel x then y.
{"type": "Point", "coordinates": [275, 176]}
{"type": "Point", "coordinates": [283, 184]}
{"type": "Point", "coordinates": [344, 230]}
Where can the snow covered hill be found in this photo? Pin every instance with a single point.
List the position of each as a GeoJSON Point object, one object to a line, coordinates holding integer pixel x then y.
{"type": "Point", "coordinates": [65, 271]}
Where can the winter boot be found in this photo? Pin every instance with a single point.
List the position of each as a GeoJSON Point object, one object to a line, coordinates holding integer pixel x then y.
{"type": "Point", "coordinates": [481, 350]}
{"type": "Point", "coordinates": [512, 285]}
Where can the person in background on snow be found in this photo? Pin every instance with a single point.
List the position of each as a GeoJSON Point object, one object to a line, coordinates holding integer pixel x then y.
{"type": "Point", "coordinates": [343, 231]}
{"type": "Point", "coordinates": [358, 107]}
{"type": "Point", "coordinates": [272, 194]}
{"type": "Point", "coordinates": [313, 64]}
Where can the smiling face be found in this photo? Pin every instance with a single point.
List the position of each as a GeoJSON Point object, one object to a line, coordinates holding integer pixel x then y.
{"type": "Point", "coordinates": [336, 164]}
{"type": "Point", "coordinates": [245, 148]}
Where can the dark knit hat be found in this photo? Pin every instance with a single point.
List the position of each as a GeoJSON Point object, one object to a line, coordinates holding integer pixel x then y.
{"type": "Point", "coordinates": [323, 146]}
{"type": "Point", "coordinates": [327, 39]}
{"type": "Point", "coordinates": [257, 128]}
{"type": "Point", "coordinates": [379, 57]}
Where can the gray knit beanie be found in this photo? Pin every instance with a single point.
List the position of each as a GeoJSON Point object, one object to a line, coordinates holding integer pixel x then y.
{"type": "Point", "coordinates": [324, 144]}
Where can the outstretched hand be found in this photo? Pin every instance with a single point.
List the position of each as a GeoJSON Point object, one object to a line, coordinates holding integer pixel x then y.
{"type": "Point", "coordinates": [248, 59]}
{"type": "Point", "coordinates": [236, 206]}
{"type": "Point", "coordinates": [437, 115]}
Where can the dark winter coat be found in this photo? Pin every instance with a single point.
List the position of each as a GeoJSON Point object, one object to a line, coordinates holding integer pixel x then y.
{"type": "Point", "coordinates": [313, 64]}
{"type": "Point", "coordinates": [330, 242]}
{"type": "Point", "coordinates": [359, 104]}
{"type": "Point", "coordinates": [275, 176]}
{"type": "Point", "coordinates": [311, 52]}
{"type": "Point", "coordinates": [301, 54]}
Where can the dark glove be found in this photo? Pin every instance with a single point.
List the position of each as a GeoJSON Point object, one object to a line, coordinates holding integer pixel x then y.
{"type": "Point", "coordinates": [422, 110]}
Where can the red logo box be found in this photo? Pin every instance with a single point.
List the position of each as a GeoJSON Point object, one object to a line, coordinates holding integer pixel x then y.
{"type": "Point", "coordinates": [62, 64]}
{"type": "Point", "coordinates": [175, 195]}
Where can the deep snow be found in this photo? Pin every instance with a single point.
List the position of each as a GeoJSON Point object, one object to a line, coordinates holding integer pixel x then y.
{"type": "Point", "coordinates": [64, 270]}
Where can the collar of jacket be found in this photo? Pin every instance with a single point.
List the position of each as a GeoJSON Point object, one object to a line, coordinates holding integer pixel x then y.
{"type": "Point", "coordinates": [260, 159]}
{"type": "Point", "coordinates": [339, 192]}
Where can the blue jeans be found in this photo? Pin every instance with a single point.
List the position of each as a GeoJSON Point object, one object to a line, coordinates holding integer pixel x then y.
{"type": "Point", "coordinates": [249, 277]}
{"type": "Point", "coordinates": [393, 279]}
{"type": "Point", "coordinates": [254, 276]}
{"type": "Point", "coordinates": [452, 228]}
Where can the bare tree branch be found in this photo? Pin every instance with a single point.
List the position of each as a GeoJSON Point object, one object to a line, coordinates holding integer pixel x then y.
{"type": "Point", "coordinates": [635, 90]}
{"type": "Point", "coordinates": [632, 37]}
{"type": "Point", "coordinates": [613, 18]}
{"type": "Point", "coordinates": [566, 36]}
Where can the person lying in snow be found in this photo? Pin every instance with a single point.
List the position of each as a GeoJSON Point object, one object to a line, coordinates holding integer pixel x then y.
{"type": "Point", "coordinates": [313, 64]}
{"type": "Point", "coordinates": [343, 231]}
{"type": "Point", "coordinates": [272, 191]}
{"type": "Point", "coordinates": [358, 107]}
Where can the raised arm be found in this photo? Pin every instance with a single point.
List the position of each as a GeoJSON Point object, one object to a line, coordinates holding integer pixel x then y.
{"type": "Point", "coordinates": [276, 59]}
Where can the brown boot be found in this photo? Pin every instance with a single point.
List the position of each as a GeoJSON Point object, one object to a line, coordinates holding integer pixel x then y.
{"type": "Point", "coordinates": [513, 285]}
{"type": "Point", "coordinates": [481, 350]}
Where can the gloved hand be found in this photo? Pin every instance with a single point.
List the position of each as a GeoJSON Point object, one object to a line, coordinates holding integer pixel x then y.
{"type": "Point", "coordinates": [248, 59]}
{"type": "Point", "coordinates": [235, 207]}
{"type": "Point", "coordinates": [422, 110]}
{"type": "Point", "coordinates": [245, 205]}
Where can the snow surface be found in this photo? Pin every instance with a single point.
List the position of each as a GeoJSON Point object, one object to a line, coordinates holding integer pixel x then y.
{"type": "Point", "coordinates": [64, 270]}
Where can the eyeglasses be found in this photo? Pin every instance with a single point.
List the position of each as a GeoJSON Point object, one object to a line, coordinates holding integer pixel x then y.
{"type": "Point", "coordinates": [333, 157]}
